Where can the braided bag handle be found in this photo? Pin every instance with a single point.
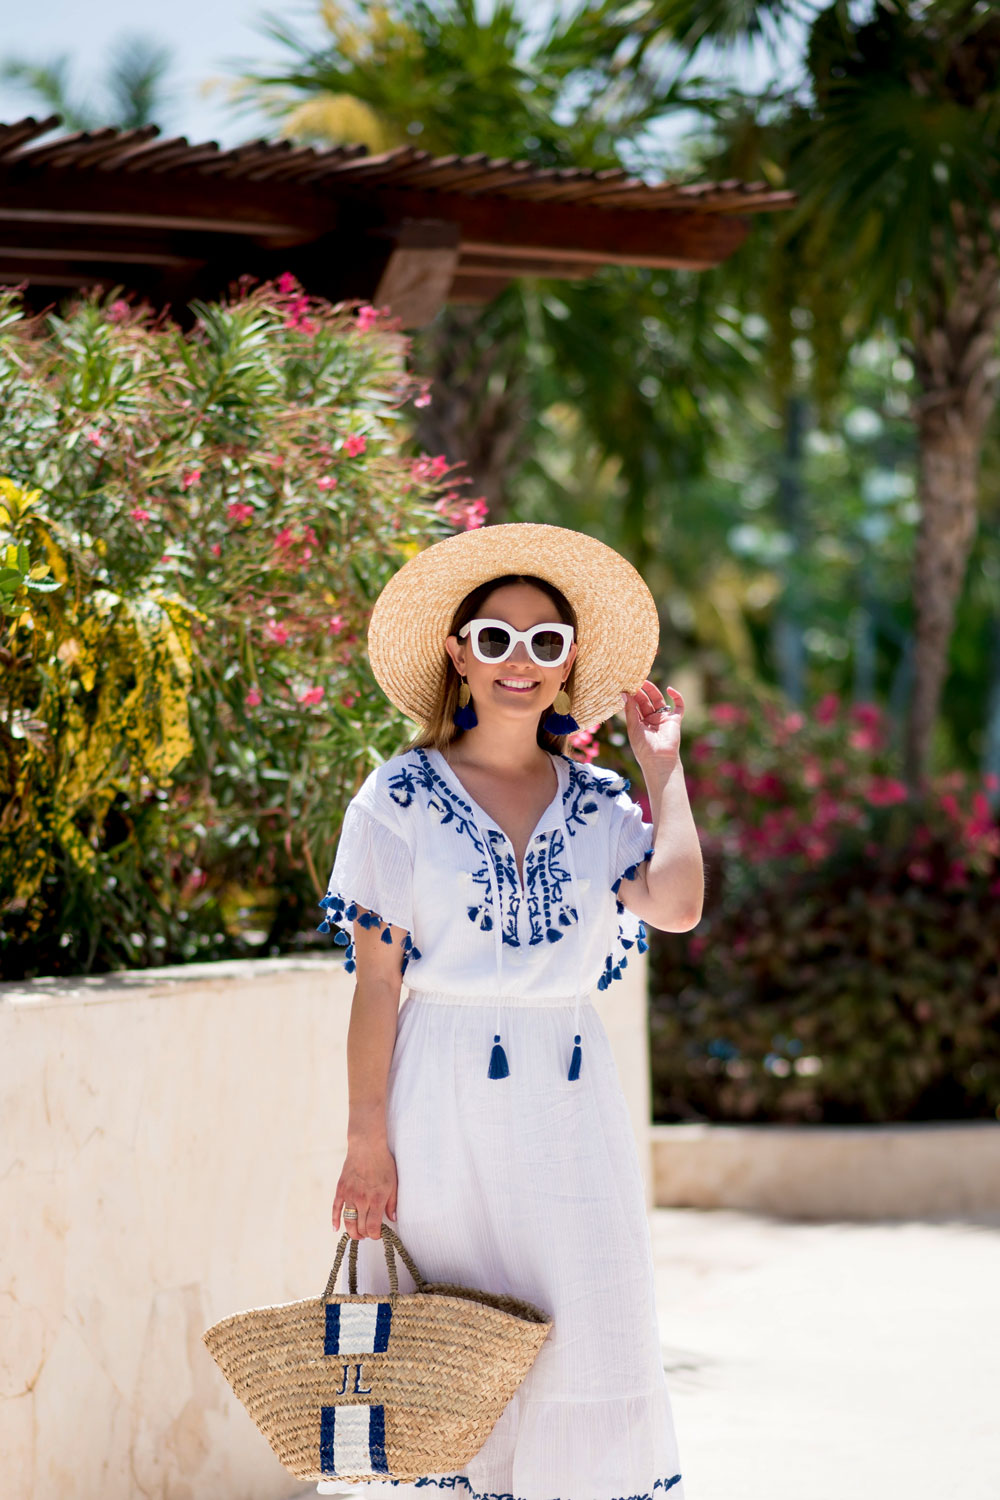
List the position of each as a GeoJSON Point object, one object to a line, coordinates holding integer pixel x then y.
{"type": "Point", "coordinates": [392, 1245]}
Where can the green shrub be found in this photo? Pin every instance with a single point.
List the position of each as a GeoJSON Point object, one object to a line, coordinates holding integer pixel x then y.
{"type": "Point", "coordinates": [195, 527]}
{"type": "Point", "coordinates": [846, 966]}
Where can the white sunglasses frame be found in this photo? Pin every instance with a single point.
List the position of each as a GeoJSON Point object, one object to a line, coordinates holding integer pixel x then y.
{"type": "Point", "coordinates": [473, 627]}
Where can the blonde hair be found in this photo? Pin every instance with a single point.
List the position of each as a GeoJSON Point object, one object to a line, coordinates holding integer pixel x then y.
{"type": "Point", "coordinates": [441, 730]}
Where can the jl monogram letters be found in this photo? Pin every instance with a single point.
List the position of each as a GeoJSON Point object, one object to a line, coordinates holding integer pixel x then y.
{"type": "Point", "coordinates": [358, 1388]}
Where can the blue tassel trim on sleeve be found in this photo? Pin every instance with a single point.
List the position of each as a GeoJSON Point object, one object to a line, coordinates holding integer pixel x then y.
{"type": "Point", "coordinates": [498, 1060]}
{"type": "Point", "coordinates": [340, 912]}
{"type": "Point", "coordinates": [574, 1067]}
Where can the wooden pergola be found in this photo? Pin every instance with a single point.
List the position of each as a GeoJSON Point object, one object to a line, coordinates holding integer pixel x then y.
{"type": "Point", "coordinates": [171, 221]}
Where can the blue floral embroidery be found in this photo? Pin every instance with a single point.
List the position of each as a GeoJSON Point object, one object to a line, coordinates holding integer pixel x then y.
{"type": "Point", "coordinates": [580, 799]}
{"type": "Point", "coordinates": [544, 880]}
{"type": "Point", "coordinates": [456, 1481]}
{"type": "Point", "coordinates": [342, 913]}
{"type": "Point", "coordinates": [451, 808]}
{"type": "Point", "coordinates": [547, 884]}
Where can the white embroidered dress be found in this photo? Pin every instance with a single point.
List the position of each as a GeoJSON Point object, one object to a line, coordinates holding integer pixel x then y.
{"type": "Point", "coordinates": [516, 1163]}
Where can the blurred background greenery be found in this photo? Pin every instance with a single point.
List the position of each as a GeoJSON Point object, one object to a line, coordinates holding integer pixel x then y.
{"type": "Point", "coordinates": [799, 451]}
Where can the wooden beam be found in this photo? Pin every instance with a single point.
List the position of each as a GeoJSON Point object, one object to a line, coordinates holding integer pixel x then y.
{"type": "Point", "coordinates": [299, 212]}
{"type": "Point", "coordinates": [480, 263]}
{"type": "Point", "coordinates": [661, 238]}
{"type": "Point", "coordinates": [108, 258]}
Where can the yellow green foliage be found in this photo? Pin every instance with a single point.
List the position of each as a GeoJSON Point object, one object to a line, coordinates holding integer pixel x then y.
{"type": "Point", "coordinates": [95, 698]}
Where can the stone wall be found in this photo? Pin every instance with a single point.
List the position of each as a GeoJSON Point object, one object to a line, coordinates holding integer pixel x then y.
{"type": "Point", "coordinates": [169, 1145]}
{"type": "Point", "coordinates": [946, 1169]}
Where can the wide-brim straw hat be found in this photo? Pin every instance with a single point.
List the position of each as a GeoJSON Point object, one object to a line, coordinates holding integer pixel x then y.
{"type": "Point", "coordinates": [618, 628]}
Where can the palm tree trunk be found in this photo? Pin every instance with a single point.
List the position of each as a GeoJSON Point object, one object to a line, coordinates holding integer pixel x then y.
{"type": "Point", "coordinates": [954, 354]}
{"type": "Point", "coordinates": [787, 635]}
{"type": "Point", "coordinates": [479, 410]}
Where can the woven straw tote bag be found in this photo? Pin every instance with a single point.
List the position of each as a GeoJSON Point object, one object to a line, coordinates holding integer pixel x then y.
{"type": "Point", "coordinates": [361, 1387]}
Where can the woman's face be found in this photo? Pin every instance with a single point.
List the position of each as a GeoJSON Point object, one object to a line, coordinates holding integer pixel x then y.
{"type": "Point", "coordinates": [517, 687]}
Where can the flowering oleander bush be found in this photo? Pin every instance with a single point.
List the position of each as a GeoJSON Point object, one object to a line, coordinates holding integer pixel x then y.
{"type": "Point", "coordinates": [193, 529]}
{"type": "Point", "coordinates": [846, 966]}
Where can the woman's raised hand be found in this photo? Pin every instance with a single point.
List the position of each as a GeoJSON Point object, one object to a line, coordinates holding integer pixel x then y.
{"type": "Point", "coordinates": [367, 1183]}
{"type": "Point", "coordinates": [655, 735]}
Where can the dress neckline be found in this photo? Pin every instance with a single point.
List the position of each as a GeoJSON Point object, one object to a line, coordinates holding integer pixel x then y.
{"type": "Point", "coordinates": [558, 761]}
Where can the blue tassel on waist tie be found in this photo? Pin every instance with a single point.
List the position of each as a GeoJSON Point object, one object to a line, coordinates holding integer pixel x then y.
{"type": "Point", "coordinates": [498, 1060]}
{"type": "Point", "coordinates": [577, 1058]}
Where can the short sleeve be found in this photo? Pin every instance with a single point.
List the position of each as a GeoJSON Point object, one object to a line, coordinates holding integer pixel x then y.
{"type": "Point", "coordinates": [631, 839]}
{"type": "Point", "coordinates": [631, 845]}
{"type": "Point", "coordinates": [371, 883]}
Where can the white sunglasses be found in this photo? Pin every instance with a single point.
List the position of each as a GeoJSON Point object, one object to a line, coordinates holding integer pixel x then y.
{"type": "Point", "coordinates": [494, 640]}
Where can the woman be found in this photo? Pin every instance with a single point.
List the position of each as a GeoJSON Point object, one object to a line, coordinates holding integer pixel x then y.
{"type": "Point", "coordinates": [506, 882]}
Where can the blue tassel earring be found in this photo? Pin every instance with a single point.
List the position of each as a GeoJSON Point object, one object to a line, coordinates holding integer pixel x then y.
{"type": "Point", "coordinates": [575, 1060]}
{"type": "Point", "coordinates": [559, 720]}
{"type": "Point", "coordinates": [465, 714]}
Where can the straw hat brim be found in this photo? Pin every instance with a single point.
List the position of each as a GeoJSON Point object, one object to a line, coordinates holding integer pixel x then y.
{"type": "Point", "coordinates": [618, 626]}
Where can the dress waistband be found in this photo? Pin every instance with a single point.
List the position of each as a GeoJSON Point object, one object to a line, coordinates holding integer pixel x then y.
{"type": "Point", "coordinates": [491, 1002]}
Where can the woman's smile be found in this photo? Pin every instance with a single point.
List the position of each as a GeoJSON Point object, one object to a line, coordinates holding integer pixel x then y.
{"type": "Point", "coordinates": [515, 684]}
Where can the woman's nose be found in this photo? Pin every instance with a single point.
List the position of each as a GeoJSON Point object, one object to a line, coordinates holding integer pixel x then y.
{"type": "Point", "coordinates": [520, 654]}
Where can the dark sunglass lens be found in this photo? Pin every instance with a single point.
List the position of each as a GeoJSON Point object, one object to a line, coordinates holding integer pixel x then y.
{"type": "Point", "coordinates": [548, 645]}
{"type": "Point", "coordinates": [493, 640]}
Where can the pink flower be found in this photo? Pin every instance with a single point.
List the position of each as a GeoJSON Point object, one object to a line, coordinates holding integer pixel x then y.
{"type": "Point", "coordinates": [326, 483]}
{"type": "Point", "coordinates": [991, 781]}
{"type": "Point", "coordinates": [827, 709]}
{"type": "Point", "coordinates": [216, 549]}
{"type": "Point", "coordinates": [295, 316]}
{"type": "Point", "coordinates": [284, 541]}
{"type": "Point", "coordinates": [287, 284]}
{"type": "Point", "coordinates": [584, 743]}
{"type": "Point", "coordinates": [118, 311]}
{"type": "Point", "coordinates": [367, 317]}
{"type": "Point", "coordinates": [238, 510]}
{"type": "Point", "coordinates": [190, 477]}
{"type": "Point", "coordinates": [348, 699]}
{"type": "Point", "coordinates": [919, 869]}
{"type": "Point", "coordinates": [471, 515]}
{"type": "Point", "coordinates": [138, 514]}
{"type": "Point", "coordinates": [812, 772]}
{"type": "Point", "coordinates": [423, 400]}
{"type": "Point", "coordinates": [728, 713]}
{"type": "Point", "coordinates": [93, 436]}
{"type": "Point", "coordinates": [276, 632]}
{"type": "Point", "coordinates": [865, 738]}
{"type": "Point", "coordinates": [311, 696]}
{"type": "Point", "coordinates": [354, 444]}
{"type": "Point", "coordinates": [793, 722]}
{"type": "Point", "coordinates": [883, 791]}
{"type": "Point", "coordinates": [868, 714]}
{"type": "Point", "coordinates": [335, 625]}
{"type": "Point", "coordinates": [439, 465]}
{"type": "Point", "coordinates": [253, 698]}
